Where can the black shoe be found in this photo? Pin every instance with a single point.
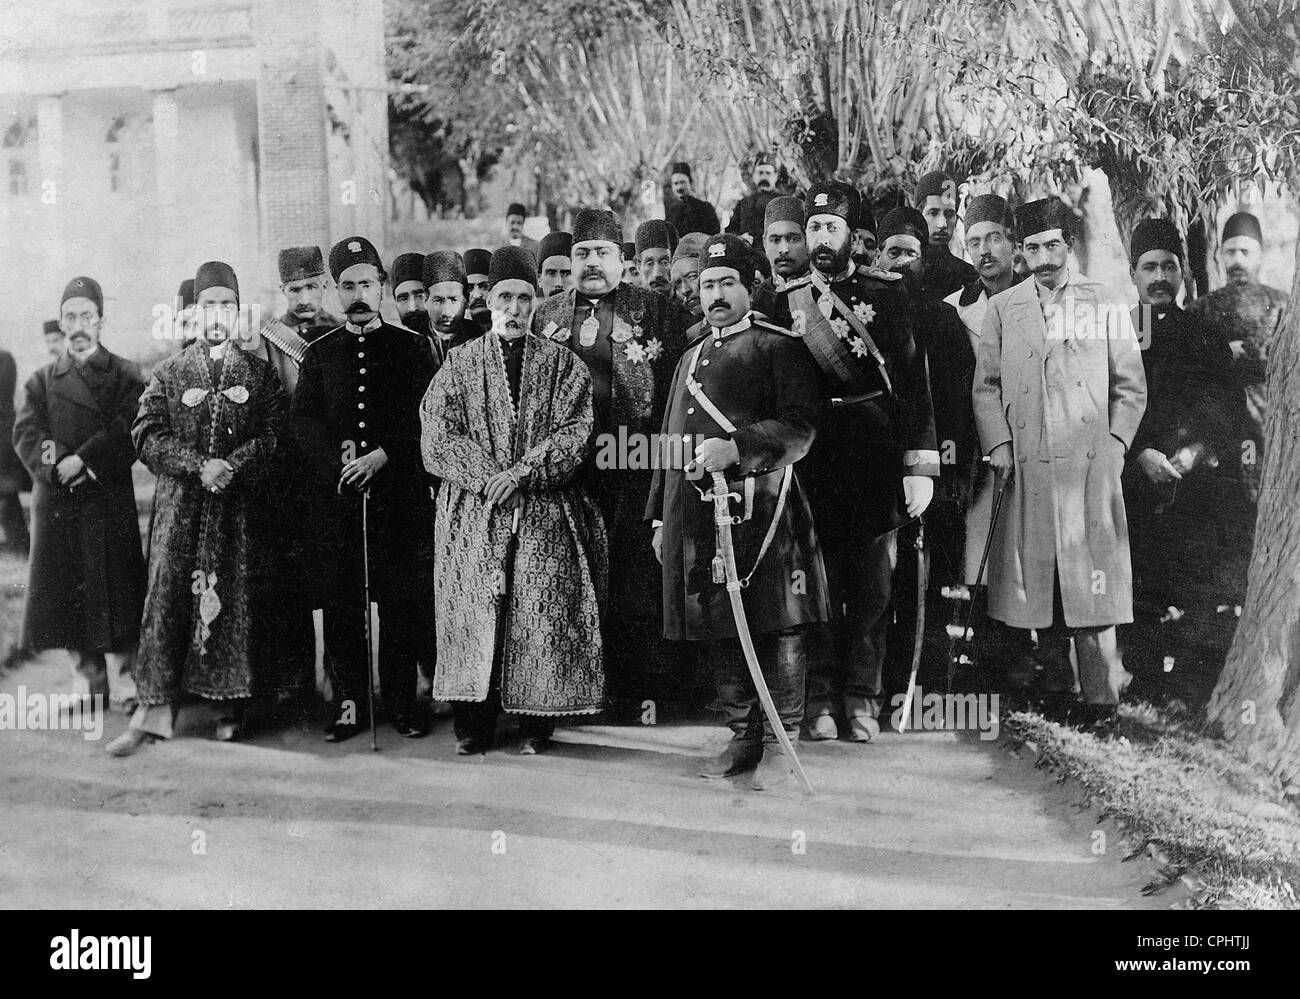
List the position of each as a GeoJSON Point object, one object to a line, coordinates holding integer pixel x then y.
{"type": "Point", "coordinates": [739, 756]}
{"type": "Point", "coordinates": [472, 746]}
{"type": "Point", "coordinates": [532, 745]}
{"type": "Point", "coordinates": [412, 725]}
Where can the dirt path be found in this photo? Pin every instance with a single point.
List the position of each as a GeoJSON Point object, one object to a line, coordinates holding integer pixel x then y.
{"type": "Point", "coordinates": [613, 817]}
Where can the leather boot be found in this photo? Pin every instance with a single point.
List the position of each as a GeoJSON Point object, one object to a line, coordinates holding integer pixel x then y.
{"type": "Point", "coordinates": [739, 756]}
{"type": "Point", "coordinates": [773, 770]}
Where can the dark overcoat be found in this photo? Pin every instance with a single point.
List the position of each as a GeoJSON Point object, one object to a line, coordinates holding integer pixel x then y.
{"type": "Point", "coordinates": [86, 578]}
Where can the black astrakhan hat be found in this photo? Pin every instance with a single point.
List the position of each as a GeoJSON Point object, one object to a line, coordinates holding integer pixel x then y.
{"type": "Point", "coordinates": [935, 184]}
{"type": "Point", "coordinates": [903, 221]}
{"type": "Point", "coordinates": [1034, 217]}
{"type": "Point", "coordinates": [215, 274]}
{"type": "Point", "coordinates": [512, 263]}
{"type": "Point", "coordinates": [1155, 234]}
{"type": "Point", "coordinates": [987, 208]}
{"type": "Point", "coordinates": [830, 197]}
{"type": "Point", "coordinates": [353, 250]}
{"type": "Point", "coordinates": [1243, 224]}
{"type": "Point", "coordinates": [596, 223]}
{"type": "Point", "coordinates": [477, 260]}
{"type": "Point", "coordinates": [555, 244]}
{"type": "Point", "coordinates": [407, 267]}
{"type": "Point", "coordinates": [728, 250]}
{"type": "Point", "coordinates": [655, 234]}
{"type": "Point", "coordinates": [783, 209]}
{"type": "Point", "coordinates": [297, 263]}
{"type": "Point", "coordinates": [516, 209]}
{"type": "Point", "coordinates": [185, 293]}
{"type": "Point", "coordinates": [442, 265]}
{"type": "Point", "coordinates": [84, 287]}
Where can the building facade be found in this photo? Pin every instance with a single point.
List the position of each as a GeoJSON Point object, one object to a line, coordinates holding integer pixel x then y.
{"type": "Point", "coordinates": [138, 139]}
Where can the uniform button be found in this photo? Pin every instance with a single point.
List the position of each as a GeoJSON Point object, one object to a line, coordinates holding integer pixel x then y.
{"type": "Point", "coordinates": [717, 343]}
{"type": "Point", "coordinates": [1024, 390]}
{"type": "Point", "coordinates": [363, 443]}
{"type": "Point", "coordinates": [1080, 383]}
{"type": "Point", "coordinates": [1092, 454]}
{"type": "Point", "coordinates": [1022, 459]}
{"type": "Point", "coordinates": [1021, 424]}
{"type": "Point", "coordinates": [361, 353]}
{"type": "Point", "coordinates": [1031, 352]}
{"type": "Point", "coordinates": [362, 424]}
{"type": "Point", "coordinates": [361, 405]}
{"type": "Point", "coordinates": [705, 362]}
{"type": "Point", "coordinates": [362, 370]}
{"type": "Point", "coordinates": [361, 388]}
{"type": "Point", "coordinates": [1087, 418]}
{"type": "Point", "coordinates": [690, 411]}
{"type": "Point", "coordinates": [361, 339]}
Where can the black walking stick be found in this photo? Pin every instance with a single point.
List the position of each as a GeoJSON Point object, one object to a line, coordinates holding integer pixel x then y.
{"type": "Point", "coordinates": [365, 586]}
{"type": "Point", "coordinates": [504, 585]}
{"type": "Point", "coordinates": [1001, 487]}
{"type": "Point", "coordinates": [922, 583]}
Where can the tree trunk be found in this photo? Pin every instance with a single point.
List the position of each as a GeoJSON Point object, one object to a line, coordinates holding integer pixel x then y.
{"type": "Point", "coordinates": [1099, 248]}
{"type": "Point", "coordinates": [1257, 700]}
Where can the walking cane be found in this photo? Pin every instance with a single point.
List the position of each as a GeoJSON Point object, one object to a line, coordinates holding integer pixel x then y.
{"type": "Point", "coordinates": [370, 640]}
{"type": "Point", "coordinates": [1002, 480]}
{"type": "Point", "coordinates": [506, 582]}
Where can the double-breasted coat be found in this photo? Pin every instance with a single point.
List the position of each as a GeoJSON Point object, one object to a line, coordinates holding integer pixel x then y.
{"type": "Point", "coordinates": [1068, 398]}
{"type": "Point", "coordinates": [86, 580]}
{"type": "Point", "coordinates": [762, 379]}
{"type": "Point", "coordinates": [13, 476]}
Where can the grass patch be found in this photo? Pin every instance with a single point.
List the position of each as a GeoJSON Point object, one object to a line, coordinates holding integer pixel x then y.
{"type": "Point", "coordinates": [1205, 814]}
{"type": "Point", "coordinates": [13, 593]}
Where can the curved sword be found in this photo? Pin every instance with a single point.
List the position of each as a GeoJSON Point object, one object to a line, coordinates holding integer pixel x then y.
{"type": "Point", "coordinates": [722, 520]}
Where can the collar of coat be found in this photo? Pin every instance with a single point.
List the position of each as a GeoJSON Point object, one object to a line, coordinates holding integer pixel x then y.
{"type": "Point", "coordinates": [970, 294]}
{"type": "Point", "coordinates": [99, 360]}
{"type": "Point", "coordinates": [370, 327]}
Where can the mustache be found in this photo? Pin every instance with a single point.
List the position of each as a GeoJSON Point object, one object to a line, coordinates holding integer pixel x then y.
{"type": "Point", "coordinates": [1045, 269]}
{"type": "Point", "coordinates": [358, 306]}
{"type": "Point", "coordinates": [720, 304]}
{"type": "Point", "coordinates": [986, 259]}
{"type": "Point", "coordinates": [1164, 286]}
{"type": "Point", "coordinates": [593, 272]}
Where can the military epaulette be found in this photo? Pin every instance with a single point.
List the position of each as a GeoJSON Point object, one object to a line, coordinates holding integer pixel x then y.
{"type": "Point", "coordinates": [759, 321]}
{"type": "Point", "coordinates": [323, 336]}
{"type": "Point", "coordinates": [798, 282]}
{"type": "Point", "coordinates": [695, 331]}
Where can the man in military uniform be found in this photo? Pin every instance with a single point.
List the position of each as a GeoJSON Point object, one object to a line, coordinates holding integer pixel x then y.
{"type": "Point", "coordinates": [655, 242]}
{"type": "Point", "coordinates": [875, 460]}
{"type": "Point", "coordinates": [787, 251]}
{"type": "Point", "coordinates": [747, 217]}
{"type": "Point", "coordinates": [476, 280]}
{"type": "Point", "coordinates": [936, 200]}
{"type": "Point", "coordinates": [747, 395]}
{"type": "Point", "coordinates": [1247, 316]}
{"type": "Point", "coordinates": [630, 339]}
{"type": "Point", "coordinates": [447, 294]}
{"type": "Point", "coordinates": [356, 411]}
{"type": "Point", "coordinates": [303, 282]}
{"type": "Point", "coordinates": [554, 268]}
{"type": "Point", "coordinates": [950, 362]}
{"type": "Point", "coordinates": [409, 293]}
{"type": "Point", "coordinates": [684, 211]}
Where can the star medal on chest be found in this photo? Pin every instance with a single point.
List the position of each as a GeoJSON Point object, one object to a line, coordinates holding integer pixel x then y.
{"type": "Point", "coordinates": [588, 330]}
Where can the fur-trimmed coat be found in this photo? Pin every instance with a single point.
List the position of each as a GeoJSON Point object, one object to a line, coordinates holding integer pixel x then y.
{"type": "Point", "coordinates": [552, 663]}
{"type": "Point", "coordinates": [197, 634]}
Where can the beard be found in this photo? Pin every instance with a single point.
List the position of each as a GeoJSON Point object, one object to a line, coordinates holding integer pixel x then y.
{"type": "Point", "coordinates": [911, 277]}
{"type": "Point", "coordinates": [831, 261]}
{"type": "Point", "coordinates": [418, 321]}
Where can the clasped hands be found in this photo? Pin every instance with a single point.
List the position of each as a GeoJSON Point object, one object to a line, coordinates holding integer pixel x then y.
{"type": "Point", "coordinates": [504, 489]}
{"type": "Point", "coordinates": [216, 474]}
